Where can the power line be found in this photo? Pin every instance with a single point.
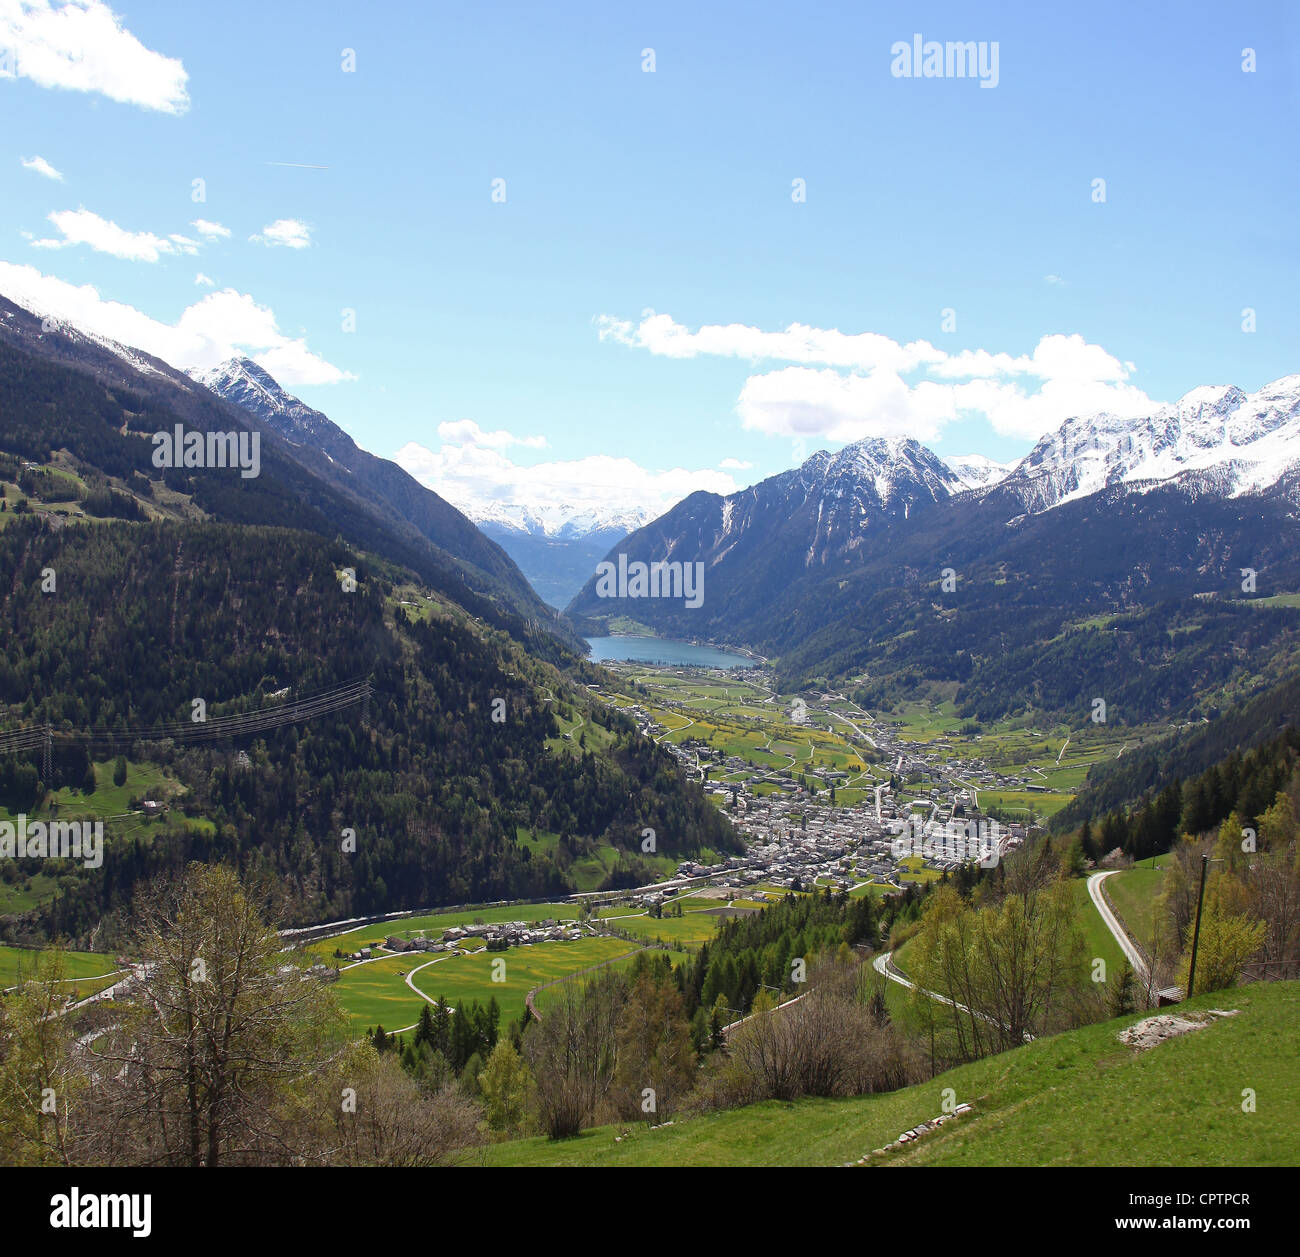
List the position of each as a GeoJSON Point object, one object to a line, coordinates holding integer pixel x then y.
{"type": "Point", "coordinates": [308, 707]}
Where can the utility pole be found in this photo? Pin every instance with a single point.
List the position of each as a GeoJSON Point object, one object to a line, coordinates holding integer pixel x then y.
{"type": "Point", "coordinates": [1196, 932]}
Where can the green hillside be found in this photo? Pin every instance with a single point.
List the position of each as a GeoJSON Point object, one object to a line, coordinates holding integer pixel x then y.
{"type": "Point", "coordinates": [1081, 1098]}
{"type": "Point", "coordinates": [455, 752]}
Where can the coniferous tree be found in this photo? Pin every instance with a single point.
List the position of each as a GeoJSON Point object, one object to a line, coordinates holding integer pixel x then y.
{"type": "Point", "coordinates": [1121, 997]}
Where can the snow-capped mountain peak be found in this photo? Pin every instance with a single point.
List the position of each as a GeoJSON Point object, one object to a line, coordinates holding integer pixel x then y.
{"type": "Point", "coordinates": [1214, 438]}
{"type": "Point", "coordinates": [891, 467]}
{"type": "Point", "coordinates": [559, 520]}
{"type": "Point", "coordinates": [244, 377]}
{"type": "Point", "coordinates": [253, 388]}
{"type": "Point", "coordinates": [975, 471]}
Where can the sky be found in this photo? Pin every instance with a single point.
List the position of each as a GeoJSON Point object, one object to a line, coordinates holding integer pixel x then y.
{"type": "Point", "coordinates": [610, 254]}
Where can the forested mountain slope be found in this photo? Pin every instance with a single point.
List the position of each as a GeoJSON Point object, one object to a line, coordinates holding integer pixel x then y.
{"type": "Point", "coordinates": [61, 390]}
{"type": "Point", "coordinates": [149, 617]}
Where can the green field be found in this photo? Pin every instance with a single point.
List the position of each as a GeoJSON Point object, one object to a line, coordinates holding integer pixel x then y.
{"type": "Point", "coordinates": [28, 893]}
{"type": "Point", "coordinates": [108, 800]}
{"type": "Point", "coordinates": [549, 994]}
{"type": "Point", "coordinates": [738, 718]}
{"type": "Point", "coordinates": [1133, 894]}
{"type": "Point", "coordinates": [462, 978]}
{"type": "Point", "coordinates": [81, 967]}
{"type": "Point", "coordinates": [1021, 802]}
{"type": "Point", "coordinates": [375, 992]}
{"type": "Point", "coordinates": [108, 803]}
{"type": "Point", "coordinates": [690, 929]}
{"type": "Point", "coordinates": [1101, 942]}
{"type": "Point", "coordinates": [1081, 1098]}
{"type": "Point", "coordinates": [912, 869]}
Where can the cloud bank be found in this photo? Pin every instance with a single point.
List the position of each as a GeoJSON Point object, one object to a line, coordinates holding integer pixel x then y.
{"type": "Point", "coordinates": [845, 386]}
{"type": "Point", "coordinates": [471, 470]}
{"type": "Point", "coordinates": [218, 326]}
{"type": "Point", "coordinates": [82, 46]}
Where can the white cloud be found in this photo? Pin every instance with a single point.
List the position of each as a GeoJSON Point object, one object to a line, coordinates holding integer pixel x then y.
{"type": "Point", "coordinates": [801, 401]}
{"type": "Point", "coordinates": [1054, 279]}
{"type": "Point", "coordinates": [83, 226]}
{"type": "Point", "coordinates": [467, 432]}
{"type": "Point", "coordinates": [735, 464]}
{"type": "Point", "coordinates": [865, 351]}
{"type": "Point", "coordinates": [477, 478]}
{"type": "Point", "coordinates": [847, 386]}
{"type": "Point", "coordinates": [286, 232]}
{"type": "Point", "coordinates": [1014, 412]}
{"type": "Point", "coordinates": [201, 278]}
{"type": "Point", "coordinates": [42, 167]}
{"type": "Point", "coordinates": [82, 46]}
{"type": "Point", "coordinates": [209, 230]}
{"type": "Point", "coordinates": [218, 326]}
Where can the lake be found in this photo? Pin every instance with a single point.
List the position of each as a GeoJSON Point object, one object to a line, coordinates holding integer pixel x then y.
{"type": "Point", "coordinates": [663, 650]}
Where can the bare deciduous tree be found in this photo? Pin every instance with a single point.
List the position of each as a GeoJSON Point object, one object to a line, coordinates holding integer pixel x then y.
{"type": "Point", "coordinates": [571, 1052]}
{"type": "Point", "coordinates": [220, 1027]}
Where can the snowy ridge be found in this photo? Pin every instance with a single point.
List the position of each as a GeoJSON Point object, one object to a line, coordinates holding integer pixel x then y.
{"type": "Point", "coordinates": [893, 473]}
{"type": "Point", "coordinates": [59, 325]}
{"type": "Point", "coordinates": [977, 472]}
{"type": "Point", "coordinates": [242, 381]}
{"type": "Point", "coordinates": [1214, 438]}
{"type": "Point", "coordinates": [561, 521]}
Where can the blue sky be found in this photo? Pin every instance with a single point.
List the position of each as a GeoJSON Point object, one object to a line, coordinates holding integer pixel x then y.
{"type": "Point", "coordinates": [493, 337]}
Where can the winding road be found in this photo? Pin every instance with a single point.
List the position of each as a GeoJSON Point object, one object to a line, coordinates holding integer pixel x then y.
{"type": "Point", "coordinates": [1126, 944]}
{"type": "Point", "coordinates": [884, 965]}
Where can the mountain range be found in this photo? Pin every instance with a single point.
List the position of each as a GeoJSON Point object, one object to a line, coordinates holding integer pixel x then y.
{"type": "Point", "coordinates": [1116, 546]}
{"type": "Point", "coordinates": [555, 546]}
{"type": "Point", "coordinates": [1213, 439]}
{"type": "Point", "coordinates": [882, 563]}
{"type": "Point", "coordinates": [318, 442]}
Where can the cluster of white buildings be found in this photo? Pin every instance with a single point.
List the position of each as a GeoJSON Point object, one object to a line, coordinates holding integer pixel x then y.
{"type": "Point", "coordinates": [791, 842]}
{"type": "Point", "coordinates": [496, 935]}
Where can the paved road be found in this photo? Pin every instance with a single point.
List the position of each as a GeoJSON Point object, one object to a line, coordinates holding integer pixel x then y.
{"type": "Point", "coordinates": [865, 736]}
{"type": "Point", "coordinates": [1126, 944]}
{"type": "Point", "coordinates": [428, 999]}
{"type": "Point", "coordinates": [883, 964]}
{"type": "Point", "coordinates": [731, 1025]}
{"type": "Point", "coordinates": [577, 973]}
{"type": "Point", "coordinates": [109, 992]}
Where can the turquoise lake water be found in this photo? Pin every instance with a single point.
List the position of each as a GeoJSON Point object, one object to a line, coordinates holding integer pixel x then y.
{"type": "Point", "coordinates": [663, 650]}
